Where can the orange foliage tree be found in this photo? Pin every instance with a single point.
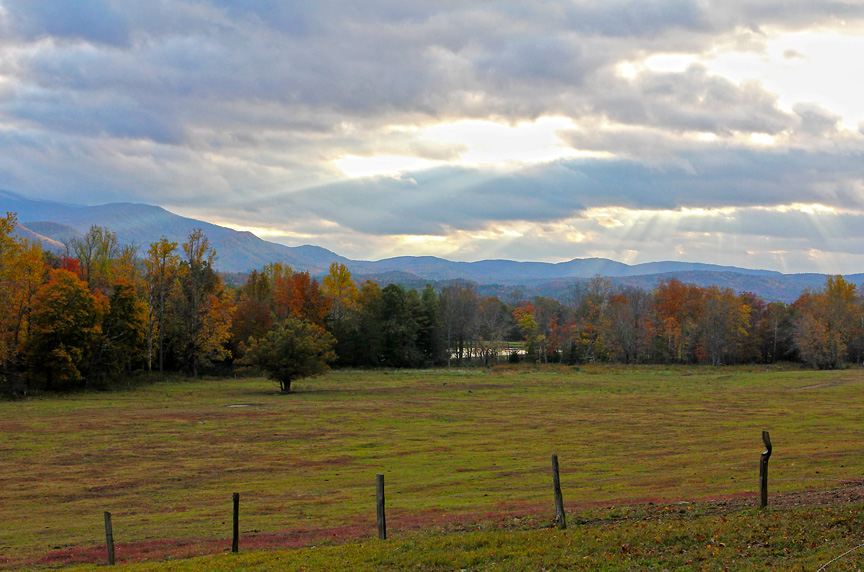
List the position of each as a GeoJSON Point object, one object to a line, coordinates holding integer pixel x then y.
{"type": "Point", "coordinates": [826, 320]}
{"type": "Point", "coordinates": [21, 273]}
{"type": "Point", "coordinates": [65, 326]}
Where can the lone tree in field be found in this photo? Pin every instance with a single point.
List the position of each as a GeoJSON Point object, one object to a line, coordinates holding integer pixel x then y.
{"type": "Point", "coordinates": [294, 350]}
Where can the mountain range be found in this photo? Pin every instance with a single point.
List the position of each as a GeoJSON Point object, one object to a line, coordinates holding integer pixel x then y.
{"type": "Point", "coordinates": [54, 224]}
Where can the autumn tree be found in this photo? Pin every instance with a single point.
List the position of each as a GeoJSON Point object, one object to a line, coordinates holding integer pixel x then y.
{"type": "Point", "coordinates": [524, 317]}
{"type": "Point", "coordinates": [493, 322]}
{"type": "Point", "coordinates": [283, 289]}
{"type": "Point", "coordinates": [587, 302]}
{"type": "Point", "coordinates": [253, 314]}
{"type": "Point", "coordinates": [10, 252]}
{"type": "Point", "coordinates": [65, 326]}
{"type": "Point", "coordinates": [724, 324]}
{"type": "Point", "coordinates": [307, 301]}
{"type": "Point", "coordinates": [96, 251]}
{"type": "Point", "coordinates": [21, 274]}
{"type": "Point", "coordinates": [201, 312]}
{"type": "Point", "coordinates": [294, 350]}
{"type": "Point", "coordinates": [676, 313]}
{"type": "Point", "coordinates": [342, 292]}
{"type": "Point", "coordinates": [297, 294]}
{"type": "Point", "coordinates": [779, 342]}
{"type": "Point", "coordinates": [548, 313]}
{"type": "Point", "coordinates": [769, 330]}
{"type": "Point", "coordinates": [825, 322]}
{"type": "Point", "coordinates": [627, 330]}
{"type": "Point", "coordinates": [162, 264]}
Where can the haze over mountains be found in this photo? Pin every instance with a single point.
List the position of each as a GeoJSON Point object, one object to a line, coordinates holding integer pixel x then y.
{"type": "Point", "coordinates": [54, 224]}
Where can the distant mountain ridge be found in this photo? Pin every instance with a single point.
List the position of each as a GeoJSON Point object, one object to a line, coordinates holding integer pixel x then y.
{"type": "Point", "coordinates": [507, 271]}
{"type": "Point", "coordinates": [53, 223]}
{"type": "Point", "coordinates": [142, 224]}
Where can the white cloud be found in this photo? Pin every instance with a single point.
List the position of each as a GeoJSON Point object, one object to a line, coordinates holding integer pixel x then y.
{"type": "Point", "coordinates": [471, 130]}
{"type": "Point", "coordinates": [813, 66]}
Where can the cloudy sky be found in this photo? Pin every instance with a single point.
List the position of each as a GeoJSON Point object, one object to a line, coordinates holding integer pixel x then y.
{"type": "Point", "coordinates": [729, 132]}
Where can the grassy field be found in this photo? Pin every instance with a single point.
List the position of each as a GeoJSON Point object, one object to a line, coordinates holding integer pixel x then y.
{"type": "Point", "coordinates": [464, 450]}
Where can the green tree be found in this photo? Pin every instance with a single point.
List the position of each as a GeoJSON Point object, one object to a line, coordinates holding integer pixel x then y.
{"type": "Point", "coordinates": [458, 303]}
{"type": "Point", "coordinates": [360, 343]}
{"type": "Point", "coordinates": [123, 333]}
{"type": "Point", "coordinates": [294, 350]}
{"type": "Point", "coordinates": [399, 312]}
{"type": "Point", "coordinates": [430, 339]}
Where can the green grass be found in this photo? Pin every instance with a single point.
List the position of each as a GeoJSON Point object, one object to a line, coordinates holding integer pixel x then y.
{"type": "Point", "coordinates": [803, 539]}
{"type": "Point", "coordinates": [456, 446]}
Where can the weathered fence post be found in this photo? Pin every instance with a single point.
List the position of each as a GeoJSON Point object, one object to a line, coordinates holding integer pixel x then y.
{"type": "Point", "coordinates": [109, 538]}
{"type": "Point", "coordinates": [235, 543]}
{"type": "Point", "coordinates": [763, 470]}
{"type": "Point", "coordinates": [382, 524]}
{"type": "Point", "coordinates": [560, 518]}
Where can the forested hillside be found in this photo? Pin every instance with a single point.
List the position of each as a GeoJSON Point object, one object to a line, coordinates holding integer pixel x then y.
{"type": "Point", "coordinates": [104, 311]}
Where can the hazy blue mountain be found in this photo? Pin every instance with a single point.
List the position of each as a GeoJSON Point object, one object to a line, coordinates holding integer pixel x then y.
{"type": "Point", "coordinates": [53, 223]}
{"type": "Point", "coordinates": [508, 271]}
{"type": "Point", "coordinates": [141, 225]}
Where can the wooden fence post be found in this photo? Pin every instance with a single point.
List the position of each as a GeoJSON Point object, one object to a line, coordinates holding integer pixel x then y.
{"type": "Point", "coordinates": [109, 538]}
{"type": "Point", "coordinates": [382, 524]}
{"type": "Point", "coordinates": [560, 518]}
{"type": "Point", "coordinates": [763, 470]}
{"type": "Point", "coordinates": [235, 543]}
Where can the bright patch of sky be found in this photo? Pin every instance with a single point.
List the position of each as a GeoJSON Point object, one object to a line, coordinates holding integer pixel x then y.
{"type": "Point", "coordinates": [475, 143]}
{"type": "Point", "coordinates": [820, 66]}
{"type": "Point", "coordinates": [486, 142]}
{"type": "Point", "coordinates": [381, 165]}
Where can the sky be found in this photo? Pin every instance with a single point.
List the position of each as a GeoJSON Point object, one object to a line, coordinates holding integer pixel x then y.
{"type": "Point", "coordinates": [727, 132]}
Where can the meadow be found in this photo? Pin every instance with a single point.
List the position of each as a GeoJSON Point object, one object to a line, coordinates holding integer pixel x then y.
{"type": "Point", "coordinates": [465, 454]}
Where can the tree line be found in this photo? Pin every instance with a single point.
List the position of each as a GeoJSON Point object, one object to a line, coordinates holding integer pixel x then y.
{"type": "Point", "coordinates": [103, 311]}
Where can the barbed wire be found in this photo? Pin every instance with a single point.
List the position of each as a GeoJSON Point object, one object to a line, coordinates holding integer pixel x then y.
{"type": "Point", "coordinates": [848, 552]}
